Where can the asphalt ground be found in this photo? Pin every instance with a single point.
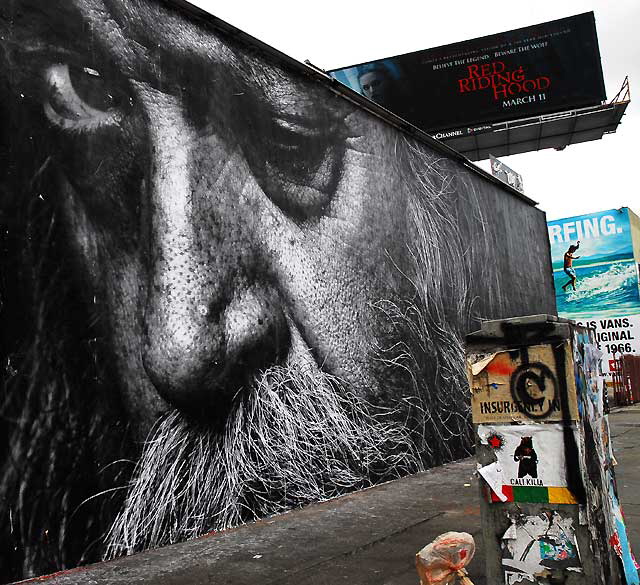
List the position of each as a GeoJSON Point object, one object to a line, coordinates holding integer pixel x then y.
{"type": "Point", "coordinates": [369, 537]}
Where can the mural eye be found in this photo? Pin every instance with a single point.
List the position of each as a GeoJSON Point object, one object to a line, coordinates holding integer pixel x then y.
{"type": "Point", "coordinates": [300, 149]}
{"type": "Point", "coordinates": [81, 98]}
{"type": "Point", "coordinates": [301, 166]}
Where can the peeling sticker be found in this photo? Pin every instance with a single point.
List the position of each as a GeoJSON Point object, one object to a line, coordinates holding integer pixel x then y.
{"type": "Point", "coordinates": [492, 474]}
{"type": "Point", "coordinates": [536, 546]}
{"type": "Point", "coordinates": [481, 363]}
{"type": "Point", "coordinates": [511, 578]}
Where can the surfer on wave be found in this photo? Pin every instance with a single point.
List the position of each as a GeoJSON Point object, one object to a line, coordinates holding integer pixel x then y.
{"type": "Point", "coordinates": [568, 265]}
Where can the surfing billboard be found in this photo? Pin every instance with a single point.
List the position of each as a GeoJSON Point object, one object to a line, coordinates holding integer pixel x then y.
{"type": "Point", "coordinates": [595, 272]}
{"type": "Point", "coordinates": [596, 280]}
{"type": "Point", "coordinates": [549, 67]}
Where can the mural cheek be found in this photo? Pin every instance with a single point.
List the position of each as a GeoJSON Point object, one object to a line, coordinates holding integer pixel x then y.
{"type": "Point", "coordinates": [123, 313]}
{"type": "Point", "coordinates": [333, 271]}
{"type": "Point", "coordinates": [112, 284]}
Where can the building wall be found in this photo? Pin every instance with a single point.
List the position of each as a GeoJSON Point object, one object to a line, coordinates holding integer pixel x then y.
{"type": "Point", "coordinates": [227, 289]}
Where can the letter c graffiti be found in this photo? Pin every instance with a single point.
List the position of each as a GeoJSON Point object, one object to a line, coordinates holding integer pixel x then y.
{"type": "Point", "coordinates": [524, 380]}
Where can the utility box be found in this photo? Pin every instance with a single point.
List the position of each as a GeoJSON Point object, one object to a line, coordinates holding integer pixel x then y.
{"type": "Point", "coordinates": [550, 508]}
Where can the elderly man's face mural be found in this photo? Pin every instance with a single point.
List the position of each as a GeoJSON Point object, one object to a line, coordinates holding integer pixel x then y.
{"type": "Point", "coordinates": [239, 249]}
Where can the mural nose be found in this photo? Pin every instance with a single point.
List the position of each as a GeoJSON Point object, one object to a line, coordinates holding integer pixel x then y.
{"type": "Point", "coordinates": [212, 320]}
{"type": "Point", "coordinates": [200, 363]}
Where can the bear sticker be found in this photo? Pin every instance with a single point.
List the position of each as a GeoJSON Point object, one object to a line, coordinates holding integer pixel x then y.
{"type": "Point", "coordinates": [528, 458]}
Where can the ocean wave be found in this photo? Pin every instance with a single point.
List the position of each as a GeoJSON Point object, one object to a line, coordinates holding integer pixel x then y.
{"type": "Point", "coordinates": [619, 276]}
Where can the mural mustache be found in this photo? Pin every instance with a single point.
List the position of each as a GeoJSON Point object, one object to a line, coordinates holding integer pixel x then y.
{"type": "Point", "coordinates": [227, 291]}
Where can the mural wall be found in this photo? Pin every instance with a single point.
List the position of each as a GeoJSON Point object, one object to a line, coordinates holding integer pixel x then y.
{"type": "Point", "coordinates": [226, 290]}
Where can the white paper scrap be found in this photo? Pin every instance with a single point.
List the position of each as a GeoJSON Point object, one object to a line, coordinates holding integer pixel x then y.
{"type": "Point", "coordinates": [481, 364]}
{"type": "Point", "coordinates": [492, 474]}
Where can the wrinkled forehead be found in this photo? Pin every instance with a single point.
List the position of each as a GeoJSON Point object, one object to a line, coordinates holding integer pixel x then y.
{"type": "Point", "coordinates": [147, 36]}
{"type": "Point", "coordinates": [147, 40]}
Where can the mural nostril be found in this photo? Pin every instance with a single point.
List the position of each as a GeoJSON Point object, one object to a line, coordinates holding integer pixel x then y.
{"type": "Point", "coordinates": [255, 330]}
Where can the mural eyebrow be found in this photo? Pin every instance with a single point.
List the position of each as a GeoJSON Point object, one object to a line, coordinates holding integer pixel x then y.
{"type": "Point", "coordinates": [172, 44]}
{"type": "Point", "coordinates": [301, 109]}
{"type": "Point", "coordinates": [131, 57]}
{"type": "Point", "coordinates": [93, 29]}
{"type": "Point", "coordinates": [32, 27]}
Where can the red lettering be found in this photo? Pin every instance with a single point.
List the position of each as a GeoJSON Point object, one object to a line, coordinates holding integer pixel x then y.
{"type": "Point", "coordinates": [500, 90]}
{"type": "Point", "coordinates": [504, 83]}
{"type": "Point", "coordinates": [464, 85]}
{"type": "Point", "coordinates": [518, 74]}
{"type": "Point", "coordinates": [543, 82]}
{"type": "Point", "coordinates": [484, 82]}
{"type": "Point", "coordinates": [495, 66]}
{"type": "Point", "coordinates": [473, 71]}
{"type": "Point", "coordinates": [514, 88]}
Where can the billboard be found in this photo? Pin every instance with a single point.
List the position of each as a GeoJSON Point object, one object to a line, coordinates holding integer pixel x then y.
{"type": "Point", "coordinates": [596, 279]}
{"type": "Point", "coordinates": [605, 273]}
{"type": "Point", "coordinates": [226, 292]}
{"type": "Point", "coordinates": [549, 67]}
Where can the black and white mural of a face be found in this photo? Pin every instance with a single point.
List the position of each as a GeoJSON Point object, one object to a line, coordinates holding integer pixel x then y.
{"type": "Point", "coordinates": [226, 291]}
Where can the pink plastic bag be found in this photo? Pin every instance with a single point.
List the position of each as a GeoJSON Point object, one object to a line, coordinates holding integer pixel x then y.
{"type": "Point", "coordinates": [444, 560]}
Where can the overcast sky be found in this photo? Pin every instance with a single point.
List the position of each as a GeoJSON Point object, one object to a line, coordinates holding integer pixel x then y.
{"type": "Point", "coordinates": [583, 178]}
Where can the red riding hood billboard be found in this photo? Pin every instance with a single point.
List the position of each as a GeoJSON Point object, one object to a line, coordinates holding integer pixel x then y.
{"type": "Point", "coordinates": [549, 67]}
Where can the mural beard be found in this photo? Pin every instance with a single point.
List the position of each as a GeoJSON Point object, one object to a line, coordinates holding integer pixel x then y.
{"type": "Point", "coordinates": [295, 334]}
{"type": "Point", "coordinates": [294, 439]}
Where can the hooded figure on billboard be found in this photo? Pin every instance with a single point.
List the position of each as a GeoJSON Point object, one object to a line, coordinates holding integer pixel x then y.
{"type": "Point", "coordinates": [383, 83]}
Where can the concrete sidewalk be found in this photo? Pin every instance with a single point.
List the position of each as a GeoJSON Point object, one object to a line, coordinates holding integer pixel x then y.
{"type": "Point", "coordinates": [369, 537]}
